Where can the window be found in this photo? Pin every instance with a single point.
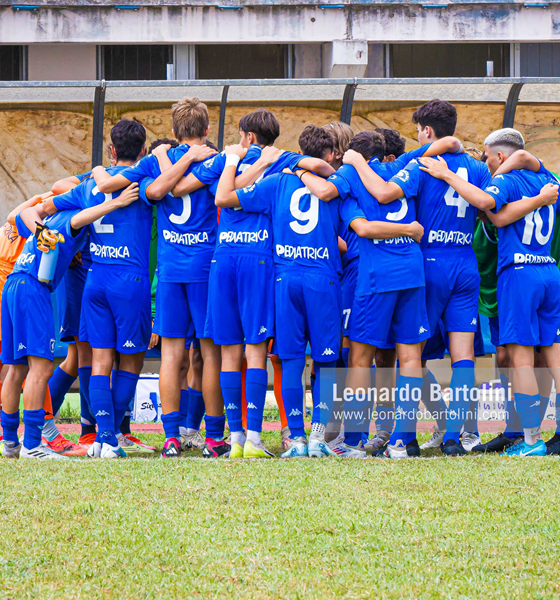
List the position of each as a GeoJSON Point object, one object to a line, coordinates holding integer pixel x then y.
{"type": "Point", "coordinates": [540, 60]}
{"type": "Point", "coordinates": [448, 60]}
{"type": "Point", "coordinates": [12, 63]}
{"type": "Point", "coordinates": [243, 61]}
{"type": "Point", "coordinates": [141, 63]}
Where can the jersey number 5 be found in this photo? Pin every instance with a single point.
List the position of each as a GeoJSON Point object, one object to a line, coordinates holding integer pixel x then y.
{"type": "Point", "coordinates": [452, 198]}
{"type": "Point", "coordinates": [310, 216]}
{"type": "Point", "coordinates": [184, 216]}
{"type": "Point", "coordinates": [98, 225]}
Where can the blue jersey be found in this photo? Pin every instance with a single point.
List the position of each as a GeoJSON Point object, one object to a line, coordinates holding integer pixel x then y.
{"type": "Point", "coordinates": [448, 219]}
{"type": "Point", "coordinates": [187, 226]}
{"type": "Point", "coordinates": [30, 258]}
{"type": "Point", "coordinates": [385, 265]}
{"type": "Point", "coordinates": [527, 241]}
{"type": "Point", "coordinates": [351, 239]}
{"type": "Point", "coordinates": [120, 238]}
{"type": "Point", "coordinates": [83, 176]}
{"type": "Point", "coordinates": [238, 230]}
{"type": "Point", "coordinates": [390, 169]}
{"type": "Point", "coordinates": [305, 228]}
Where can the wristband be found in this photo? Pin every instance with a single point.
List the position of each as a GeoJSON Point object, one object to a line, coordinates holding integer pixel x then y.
{"type": "Point", "coordinates": [232, 160]}
{"type": "Point", "coordinates": [303, 173]}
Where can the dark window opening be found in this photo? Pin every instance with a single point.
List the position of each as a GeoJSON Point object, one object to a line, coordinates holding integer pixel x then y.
{"type": "Point", "coordinates": [12, 63]}
{"type": "Point", "coordinates": [540, 60]}
{"type": "Point", "coordinates": [140, 63]}
{"type": "Point", "coordinates": [242, 61]}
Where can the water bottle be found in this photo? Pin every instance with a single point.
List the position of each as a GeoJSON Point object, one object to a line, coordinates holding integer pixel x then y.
{"type": "Point", "coordinates": [47, 266]}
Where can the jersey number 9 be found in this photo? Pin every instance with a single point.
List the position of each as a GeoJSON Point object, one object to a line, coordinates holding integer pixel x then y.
{"type": "Point", "coordinates": [306, 220]}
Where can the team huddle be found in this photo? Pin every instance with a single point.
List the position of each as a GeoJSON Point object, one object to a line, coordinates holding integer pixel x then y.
{"type": "Point", "coordinates": [377, 258]}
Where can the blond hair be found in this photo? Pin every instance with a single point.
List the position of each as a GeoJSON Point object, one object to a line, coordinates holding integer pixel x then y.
{"type": "Point", "coordinates": [474, 153]}
{"type": "Point", "coordinates": [190, 119]}
{"type": "Point", "coordinates": [342, 135]}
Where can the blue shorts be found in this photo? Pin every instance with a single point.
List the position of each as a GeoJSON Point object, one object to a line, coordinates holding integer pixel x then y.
{"type": "Point", "coordinates": [401, 313]}
{"type": "Point", "coordinates": [529, 305]}
{"type": "Point", "coordinates": [308, 309]}
{"type": "Point", "coordinates": [181, 309]}
{"type": "Point", "coordinates": [452, 288]}
{"type": "Point", "coordinates": [116, 309]}
{"type": "Point", "coordinates": [348, 287]}
{"type": "Point", "coordinates": [437, 344]}
{"type": "Point", "coordinates": [71, 307]}
{"type": "Point", "coordinates": [27, 320]}
{"type": "Point", "coordinates": [240, 299]}
{"type": "Point", "coordinates": [494, 331]}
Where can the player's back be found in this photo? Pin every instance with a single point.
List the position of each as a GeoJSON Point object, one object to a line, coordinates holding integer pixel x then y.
{"type": "Point", "coordinates": [11, 246]}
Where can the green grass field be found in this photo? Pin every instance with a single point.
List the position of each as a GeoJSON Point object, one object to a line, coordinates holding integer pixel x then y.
{"type": "Point", "coordinates": [428, 528]}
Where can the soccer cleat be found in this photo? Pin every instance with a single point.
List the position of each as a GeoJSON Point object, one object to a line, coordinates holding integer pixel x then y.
{"type": "Point", "coordinates": [497, 444]}
{"type": "Point", "coordinates": [318, 447]}
{"type": "Point", "coordinates": [40, 453]}
{"type": "Point", "coordinates": [64, 447]}
{"type": "Point", "coordinates": [400, 450]}
{"type": "Point", "coordinates": [345, 451]}
{"type": "Point", "coordinates": [236, 450]}
{"type": "Point", "coordinates": [297, 448]}
{"type": "Point", "coordinates": [10, 449]}
{"type": "Point", "coordinates": [189, 441]}
{"type": "Point", "coordinates": [252, 450]}
{"type": "Point", "coordinates": [216, 449]}
{"type": "Point", "coordinates": [435, 441]}
{"type": "Point", "coordinates": [378, 441]}
{"type": "Point", "coordinates": [285, 438]}
{"type": "Point", "coordinates": [525, 449]}
{"type": "Point", "coordinates": [470, 440]}
{"type": "Point", "coordinates": [108, 451]}
{"type": "Point", "coordinates": [94, 451]}
{"type": "Point", "coordinates": [130, 443]}
{"type": "Point", "coordinates": [452, 448]}
{"type": "Point", "coordinates": [553, 445]}
{"type": "Point", "coordinates": [171, 448]}
{"type": "Point", "coordinates": [87, 440]}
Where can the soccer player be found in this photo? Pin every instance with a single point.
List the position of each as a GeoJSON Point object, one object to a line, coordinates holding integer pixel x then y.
{"type": "Point", "coordinates": [119, 248]}
{"type": "Point", "coordinates": [452, 280]}
{"type": "Point", "coordinates": [390, 297]}
{"type": "Point", "coordinates": [528, 280]}
{"type": "Point", "coordinates": [28, 344]}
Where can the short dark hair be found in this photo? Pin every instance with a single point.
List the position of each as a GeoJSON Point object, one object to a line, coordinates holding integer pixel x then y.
{"type": "Point", "coordinates": [156, 143]}
{"type": "Point", "coordinates": [263, 124]}
{"type": "Point", "coordinates": [369, 144]}
{"type": "Point", "coordinates": [394, 141]}
{"type": "Point", "coordinates": [128, 139]}
{"type": "Point", "coordinates": [211, 145]}
{"type": "Point", "coordinates": [440, 115]}
{"type": "Point", "coordinates": [316, 141]}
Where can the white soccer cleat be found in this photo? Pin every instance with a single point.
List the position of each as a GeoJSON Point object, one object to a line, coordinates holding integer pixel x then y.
{"type": "Point", "coordinates": [192, 440]}
{"type": "Point", "coordinates": [108, 451]}
{"type": "Point", "coordinates": [378, 441]}
{"type": "Point", "coordinates": [10, 449]}
{"type": "Point", "coordinates": [318, 447]}
{"type": "Point", "coordinates": [345, 451]}
{"type": "Point", "coordinates": [435, 441]}
{"type": "Point", "coordinates": [94, 451]}
{"type": "Point", "coordinates": [40, 453]}
{"type": "Point", "coordinates": [285, 438]}
{"type": "Point", "coordinates": [296, 449]}
{"type": "Point", "coordinates": [470, 440]}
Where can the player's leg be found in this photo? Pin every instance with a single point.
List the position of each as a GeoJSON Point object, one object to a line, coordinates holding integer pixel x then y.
{"type": "Point", "coordinates": [101, 399]}
{"type": "Point", "coordinates": [256, 385]}
{"type": "Point", "coordinates": [9, 414]}
{"type": "Point", "coordinates": [277, 386]}
{"type": "Point", "coordinates": [385, 363]}
{"type": "Point", "coordinates": [230, 383]}
{"type": "Point", "coordinates": [88, 422]}
{"type": "Point", "coordinates": [184, 381]}
{"type": "Point", "coordinates": [197, 407]}
{"type": "Point", "coordinates": [544, 381]}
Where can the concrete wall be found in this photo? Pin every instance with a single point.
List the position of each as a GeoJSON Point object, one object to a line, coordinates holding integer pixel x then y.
{"type": "Point", "coordinates": [61, 62]}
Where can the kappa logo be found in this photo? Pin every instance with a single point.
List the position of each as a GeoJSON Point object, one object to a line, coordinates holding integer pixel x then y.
{"type": "Point", "coordinates": [328, 352]}
{"type": "Point", "coordinates": [21, 347]}
{"type": "Point", "coordinates": [129, 344]}
{"type": "Point", "coordinates": [295, 412]}
{"type": "Point", "coordinates": [493, 189]}
{"type": "Point", "coordinates": [422, 329]}
{"type": "Point", "coordinates": [473, 322]}
{"type": "Point", "coordinates": [102, 413]}
{"type": "Point", "coordinates": [251, 405]}
{"type": "Point", "coordinates": [537, 403]}
{"type": "Point", "coordinates": [558, 332]}
{"type": "Point", "coordinates": [322, 406]}
{"type": "Point", "coordinates": [231, 406]}
{"type": "Point", "coordinates": [263, 329]}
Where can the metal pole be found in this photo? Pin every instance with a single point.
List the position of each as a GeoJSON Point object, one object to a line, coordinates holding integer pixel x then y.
{"type": "Point", "coordinates": [98, 119]}
{"type": "Point", "coordinates": [347, 102]}
{"type": "Point", "coordinates": [511, 105]}
{"type": "Point", "coordinates": [222, 123]}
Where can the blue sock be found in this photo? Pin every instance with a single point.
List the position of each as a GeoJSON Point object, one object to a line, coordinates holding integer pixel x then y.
{"type": "Point", "coordinates": [471, 421]}
{"type": "Point", "coordinates": [171, 424]}
{"type": "Point", "coordinates": [33, 421]}
{"type": "Point", "coordinates": [256, 382]}
{"type": "Point", "coordinates": [10, 424]}
{"type": "Point", "coordinates": [528, 409]}
{"type": "Point", "coordinates": [102, 408]}
{"type": "Point", "coordinates": [230, 382]}
{"type": "Point", "coordinates": [184, 408]}
{"type": "Point", "coordinates": [215, 427]}
{"type": "Point", "coordinates": [124, 388]}
{"type": "Point", "coordinates": [292, 393]}
{"type": "Point", "coordinates": [323, 398]}
{"type": "Point", "coordinates": [87, 420]}
{"type": "Point", "coordinates": [196, 410]}
{"type": "Point", "coordinates": [409, 392]}
{"type": "Point", "coordinates": [345, 356]}
{"type": "Point", "coordinates": [433, 401]}
{"type": "Point", "coordinates": [59, 384]}
{"type": "Point", "coordinates": [84, 375]}
{"type": "Point", "coordinates": [462, 382]}
{"type": "Point", "coordinates": [543, 407]}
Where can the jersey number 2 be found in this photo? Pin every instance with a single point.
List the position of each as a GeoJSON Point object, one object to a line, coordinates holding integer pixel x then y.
{"type": "Point", "coordinates": [98, 225]}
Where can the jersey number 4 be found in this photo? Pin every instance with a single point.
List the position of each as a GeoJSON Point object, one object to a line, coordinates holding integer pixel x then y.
{"type": "Point", "coordinates": [452, 198]}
